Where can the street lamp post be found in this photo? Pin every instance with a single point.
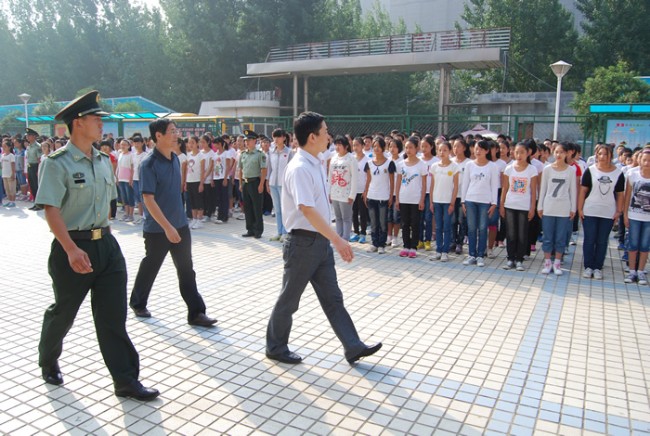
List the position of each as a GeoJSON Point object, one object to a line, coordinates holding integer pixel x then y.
{"type": "Point", "coordinates": [560, 68]}
{"type": "Point", "coordinates": [25, 98]}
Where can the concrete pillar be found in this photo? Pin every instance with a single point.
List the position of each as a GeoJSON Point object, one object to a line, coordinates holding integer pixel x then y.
{"type": "Point", "coordinates": [443, 100]}
{"type": "Point", "coordinates": [305, 85]}
{"type": "Point", "coordinates": [295, 96]}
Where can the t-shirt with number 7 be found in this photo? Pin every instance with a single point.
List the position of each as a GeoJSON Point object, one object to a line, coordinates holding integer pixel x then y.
{"type": "Point", "coordinates": [558, 195]}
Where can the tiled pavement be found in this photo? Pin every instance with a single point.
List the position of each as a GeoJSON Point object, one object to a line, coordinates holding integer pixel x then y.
{"type": "Point", "coordinates": [467, 350]}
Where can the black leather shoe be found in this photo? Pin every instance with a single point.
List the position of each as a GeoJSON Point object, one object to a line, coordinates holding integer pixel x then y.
{"type": "Point", "coordinates": [202, 320]}
{"type": "Point", "coordinates": [286, 357]}
{"type": "Point", "coordinates": [247, 235]}
{"type": "Point", "coordinates": [52, 374]}
{"type": "Point", "coordinates": [137, 391]}
{"type": "Point", "coordinates": [368, 351]}
{"type": "Point", "coordinates": [37, 208]}
{"type": "Point", "coordinates": [258, 236]}
{"type": "Point", "coordinates": [141, 313]}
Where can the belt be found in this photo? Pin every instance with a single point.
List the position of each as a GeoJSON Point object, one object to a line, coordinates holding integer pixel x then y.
{"type": "Point", "coordinates": [250, 179]}
{"type": "Point", "coordinates": [89, 235]}
{"type": "Point", "coordinates": [308, 233]}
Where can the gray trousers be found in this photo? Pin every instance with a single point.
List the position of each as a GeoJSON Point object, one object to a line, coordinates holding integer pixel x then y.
{"type": "Point", "coordinates": [310, 259]}
{"type": "Point", "coordinates": [343, 214]}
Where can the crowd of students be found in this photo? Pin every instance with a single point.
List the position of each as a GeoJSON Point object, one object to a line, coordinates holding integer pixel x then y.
{"type": "Point", "coordinates": [438, 193]}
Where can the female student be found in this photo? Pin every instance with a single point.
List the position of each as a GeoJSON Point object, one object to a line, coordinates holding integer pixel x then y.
{"type": "Point", "coordinates": [479, 201]}
{"type": "Point", "coordinates": [410, 193]}
{"type": "Point", "coordinates": [637, 218]}
{"type": "Point", "coordinates": [359, 210]}
{"type": "Point", "coordinates": [518, 199]}
{"type": "Point", "coordinates": [428, 148]}
{"type": "Point", "coordinates": [342, 176]}
{"type": "Point", "coordinates": [124, 175]}
{"type": "Point", "coordinates": [206, 158]}
{"type": "Point", "coordinates": [459, 223]}
{"type": "Point", "coordinates": [600, 202]}
{"type": "Point", "coordinates": [444, 189]}
{"type": "Point", "coordinates": [193, 182]}
{"type": "Point", "coordinates": [221, 168]}
{"type": "Point", "coordinates": [378, 194]}
{"type": "Point", "coordinates": [556, 207]}
{"type": "Point", "coordinates": [395, 147]}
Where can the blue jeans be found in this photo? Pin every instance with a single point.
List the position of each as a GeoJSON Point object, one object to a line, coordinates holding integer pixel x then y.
{"type": "Point", "coordinates": [443, 226]}
{"type": "Point", "coordinates": [137, 195]}
{"type": "Point", "coordinates": [378, 212]}
{"type": "Point", "coordinates": [426, 221]}
{"type": "Point", "coordinates": [477, 227]}
{"type": "Point", "coordinates": [639, 236]}
{"type": "Point", "coordinates": [126, 192]}
{"type": "Point", "coordinates": [554, 233]}
{"type": "Point", "coordinates": [276, 196]}
{"type": "Point", "coordinates": [459, 224]}
{"type": "Point", "coordinates": [594, 246]}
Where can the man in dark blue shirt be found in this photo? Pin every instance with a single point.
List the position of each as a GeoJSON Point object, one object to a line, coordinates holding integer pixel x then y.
{"type": "Point", "coordinates": [165, 226]}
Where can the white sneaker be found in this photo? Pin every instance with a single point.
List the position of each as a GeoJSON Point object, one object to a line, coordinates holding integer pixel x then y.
{"type": "Point", "coordinates": [557, 268]}
{"type": "Point", "coordinates": [548, 266]}
{"type": "Point", "coordinates": [480, 262]}
{"type": "Point", "coordinates": [205, 219]}
{"type": "Point", "coordinates": [437, 256]}
{"type": "Point", "coordinates": [491, 254]}
{"type": "Point", "coordinates": [643, 279]}
{"type": "Point", "coordinates": [395, 243]}
{"type": "Point", "coordinates": [588, 273]}
{"type": "Point", "coordinates": [509, 265]}
{"type": "Point", "coordinates": [198, 225]}
{"type": "Point", "coordinates": [444, 257]}
{"type": "Point", "coordinates": [372, 249]}
{"type": "Point", "coordinates": [218, 222]}
{"type": "Point", "coordinates": [598, 274]}
{"type": "Point", "coordinates": [389, 240]}
{"type": "Point", "coordinates": [241, 217]}
{"type": "Point", "coordinates": [381, 250]}
{"type": "Point", "coordinates": [469, 260]}
{"type": "Point", "coordinates": [631, 278]}
{"type": "Point", "coordinates": [519, 266]}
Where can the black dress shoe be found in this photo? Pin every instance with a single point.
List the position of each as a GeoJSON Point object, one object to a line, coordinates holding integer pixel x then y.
{"type": "Point", "coordinates": [202, 320]}
{"type": "Point", "coordinates": [52, 374]}
{"type": "Point", "coordinates": [286, 357]}
{"type": "Point", "coordinates": [37, 208]}
{"type": "Point", "coordinates": [367, 351]}
{"type": "Point", "coordinates": [141, 313]}
{"type": "Point", "coordinates": [135, 390]}
{"type": "Point", "coordinates": [247, 235]}
{"type": "Point", "coordinates": [258, 236]}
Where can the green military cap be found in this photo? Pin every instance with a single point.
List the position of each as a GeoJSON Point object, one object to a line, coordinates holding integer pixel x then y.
{"type": "Point", "coordinates": [249, 134]}
{"type": "Point", "coordinates": [85, 105]}
{"type": "Point", "coordinates": [29, 131]}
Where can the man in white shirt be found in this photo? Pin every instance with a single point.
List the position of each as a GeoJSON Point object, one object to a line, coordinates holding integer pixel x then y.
{"type": "Point", "coordinates": [308, 255]}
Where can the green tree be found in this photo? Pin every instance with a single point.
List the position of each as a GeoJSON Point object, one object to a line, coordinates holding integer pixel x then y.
{"type": "Point", "coordinates": [613, 84]}
{"type": "Point", "coordinates": [47, 106]}
{"type": "Point", "coordinates": [127, 107]}
{"type": "Point", "coordinates": [10, 124]}
{"type": "Point", "coordinates": [542, 32]}
{"type": "Point", "coordinates": [615, 31]}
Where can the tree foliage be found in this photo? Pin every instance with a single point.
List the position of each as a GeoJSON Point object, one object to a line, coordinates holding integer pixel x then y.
{"type": "Point", "coordinates": [542, 32]}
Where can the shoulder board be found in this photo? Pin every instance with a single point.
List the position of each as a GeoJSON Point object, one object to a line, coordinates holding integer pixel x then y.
{"type": "Point", "coordinates": [58, 153]}
{"type": "Point", "coordinates": [104, 154]}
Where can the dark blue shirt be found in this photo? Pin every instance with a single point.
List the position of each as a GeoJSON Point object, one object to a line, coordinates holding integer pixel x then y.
{"type": "Point", "coordinates": [162, 178]}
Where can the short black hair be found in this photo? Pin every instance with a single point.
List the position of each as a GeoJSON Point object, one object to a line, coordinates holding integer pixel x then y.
{"type": "Point", "coordinates": [306, 124]}
{"type": "Point", "coordinates": [159, 126]}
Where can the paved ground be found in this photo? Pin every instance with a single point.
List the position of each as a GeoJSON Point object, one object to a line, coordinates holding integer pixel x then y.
{"type": "Point", "coordinates": [467, 350]}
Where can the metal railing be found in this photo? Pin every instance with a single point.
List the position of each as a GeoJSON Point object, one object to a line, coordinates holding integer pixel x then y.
{"type": "Point", "coordinates": [410, 43]}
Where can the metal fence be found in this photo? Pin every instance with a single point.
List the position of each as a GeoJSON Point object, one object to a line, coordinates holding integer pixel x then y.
{"type": "Point", "coordinates": [410, 43]}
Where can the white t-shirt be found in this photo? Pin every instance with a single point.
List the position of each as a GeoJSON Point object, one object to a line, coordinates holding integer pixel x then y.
{"type": "Point", "coordinates": [342, 177]}
{"type": "Point", "coordinates": [7, 160]}
{"type": "Point", "coordinates": [124, 167]}
{"type": "Point", "coordinates": [443, 181]}
{"type": "Point", "coordinates": [277, 165]}
{"type": "Point", "coordinates": [362, 177]}
{"type": "Point", "coordinates": [380, 175]}
{"type": "Point", "coordinates": [480, 183]}
{"type": "Point", "coordinates": [206, 157]}
{"type": "Point", "coordinates": [558, 192]}
{"type": "Point", "coordinates": [193, 168]}
{"type": "Point", "coordinates": [410, 188]}
{"type": "Point", "coordinates": [501, 164]}
{"type": "Point", "coordinates": [639, 209]}
{"type": "Point", "coordinates": [220, 162]}
{"type": "Point", "coordinates": [461, 169]}
{"type": "Point", "coordinates": [538, 164]}
{"type": "Point", "coordinates": [519, 186]}
{"type": "Point", "coordinates": [428, 163]}
{"type": "Point", "coordinates": [601, 200]}
{"type": "Point", "coordinates": [137, 158]}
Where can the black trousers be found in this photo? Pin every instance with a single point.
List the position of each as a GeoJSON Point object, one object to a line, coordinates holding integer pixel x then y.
{"type": "Point", "coordinates": [156, 248]}
{"type": "Point", "coordinates": [221, 199]}
{"type": "Point", "coordinates": [107, 284]}
{"type": "Point", "coordinates": [209, 205]}
{"type": "Point", "coordinates": [253, 202]}
{"type": "Point", "coordinates": [410, 224]}
{"type": "Point", "coordinates": [32, 178]}
{"type": "Point", "coordinates": [517, 228]}
{"type": "Point", "coordinates": [359, 215]}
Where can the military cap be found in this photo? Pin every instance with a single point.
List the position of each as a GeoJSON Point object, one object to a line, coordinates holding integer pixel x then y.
{"type": "Point", "coordinates": [249, 134]}
{"type": "Point", "coordinates": [85, 105]}
{"type": "Point", "coordinates": [29, 131]}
